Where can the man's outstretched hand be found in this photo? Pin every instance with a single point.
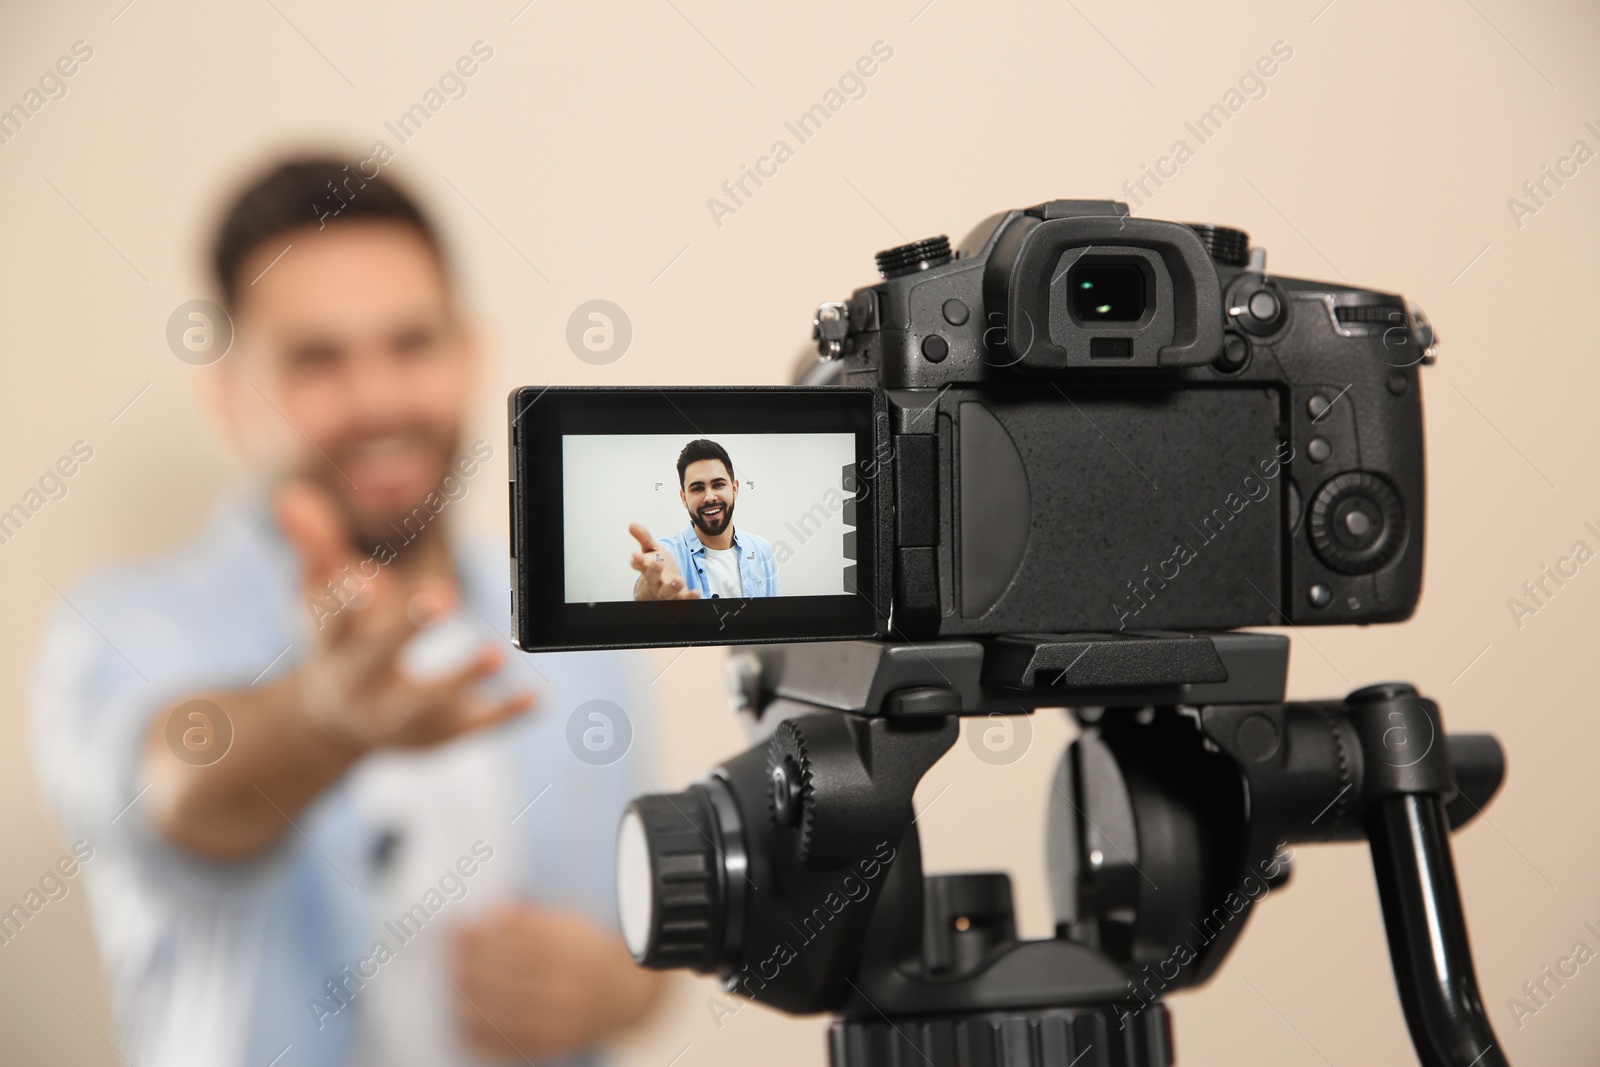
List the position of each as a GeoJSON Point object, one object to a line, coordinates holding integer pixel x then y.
{"type": "Point", "coordinates": [658, 571]}
{"type": "Point", "coordinates": [295, 736]}
{"type": "Point", "coordinates": [351, 683]}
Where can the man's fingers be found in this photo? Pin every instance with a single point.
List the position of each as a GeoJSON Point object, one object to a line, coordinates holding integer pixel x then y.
{"type": "Point", "coordinates": [642, 535]}
{"type": "Point", "coordinates": [313, 527]}
{"type": "Point", "coordinates": [656, 571]}
{"type": "Point", "coordinates": [475, 1010]}
{"type": "Point", "coordinates": [507, 709]}
{"type": "Point", "coordinates": [488, 1039]}
{"type": "Point", "coordinates": [488, 660]}
{"type": "Point", "coordinates": [390, 618]}
{"type": "Point", "coordinates": [661, 579]}
{"type": "Point", "coordinates": [311, 523]}
{"type": "Point", "coordinates": [466, 711]}
{"type": "Point", "coordinates": [430, 603]}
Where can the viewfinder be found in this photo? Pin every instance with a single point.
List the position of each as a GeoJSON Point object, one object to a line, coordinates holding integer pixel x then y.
{"type": "Point", "coordinates": [1106, 292]}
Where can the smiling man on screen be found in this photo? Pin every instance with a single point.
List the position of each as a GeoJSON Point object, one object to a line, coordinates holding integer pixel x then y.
{"type": "Point", "coordinates": [708, 559]}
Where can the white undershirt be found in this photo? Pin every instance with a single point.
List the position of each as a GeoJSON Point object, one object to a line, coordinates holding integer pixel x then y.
{"type": "Point", "coordinates": [722, 572]}
{"type": "Point", "coordinates": [440, 800]}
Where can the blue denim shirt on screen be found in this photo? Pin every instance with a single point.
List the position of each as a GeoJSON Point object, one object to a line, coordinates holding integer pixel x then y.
{"type": "Point", "coordinates": [758, 567]}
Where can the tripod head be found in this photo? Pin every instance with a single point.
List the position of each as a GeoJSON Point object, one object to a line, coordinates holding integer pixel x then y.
{"type": "Point", "coordinates": [794, 871]}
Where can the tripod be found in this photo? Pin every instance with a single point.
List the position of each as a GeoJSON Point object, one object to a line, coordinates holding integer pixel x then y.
{"type": "Point", "coordinates": [1191, 775]}
{"type": "Point", "coordinates": [794, 871]}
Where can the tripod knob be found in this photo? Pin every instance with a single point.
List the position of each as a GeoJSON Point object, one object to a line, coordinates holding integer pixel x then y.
{"type": "Point", "coordinates": [791, 801]}
{"type": "Point", "coordinates": [1127, 1035]}
{"type": "Point", "coordinates": [672, 879]}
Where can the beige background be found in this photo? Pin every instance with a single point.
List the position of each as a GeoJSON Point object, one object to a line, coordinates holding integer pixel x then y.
{"type": "Point", "coordinates": [579, 165]}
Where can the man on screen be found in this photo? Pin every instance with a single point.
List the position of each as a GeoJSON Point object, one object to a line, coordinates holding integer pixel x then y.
{"type": "Point", "coordinates": [708, 558]}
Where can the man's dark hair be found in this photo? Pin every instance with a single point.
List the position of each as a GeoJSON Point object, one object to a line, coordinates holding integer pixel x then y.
{"type": "Point", "coordinates": [302, 192]}
{"type": "Point", "coordinates": [695, 451]}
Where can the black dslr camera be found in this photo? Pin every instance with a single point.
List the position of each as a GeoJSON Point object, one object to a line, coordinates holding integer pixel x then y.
{"type": "Point", "coordinates": [1054, 468]}
{"type": "Point", "coordinates": [1078, 420]}
{"type": "Point", "coordinates": [1137, 427]}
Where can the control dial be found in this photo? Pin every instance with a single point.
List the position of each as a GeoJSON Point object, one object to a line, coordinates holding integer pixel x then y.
{"type": "Point", "coordinates": [1357, 522]}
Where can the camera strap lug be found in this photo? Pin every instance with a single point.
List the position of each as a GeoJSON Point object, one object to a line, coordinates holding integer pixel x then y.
{"type": "Point", "coordinates": [830, 327]}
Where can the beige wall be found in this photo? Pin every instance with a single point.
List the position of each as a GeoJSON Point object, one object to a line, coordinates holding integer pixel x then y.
{"type": "Point", "coordinates": [579, 166]}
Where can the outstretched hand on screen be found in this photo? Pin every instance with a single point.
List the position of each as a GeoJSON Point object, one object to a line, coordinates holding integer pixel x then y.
{"type": "Point", "coordinates": [658, 571]}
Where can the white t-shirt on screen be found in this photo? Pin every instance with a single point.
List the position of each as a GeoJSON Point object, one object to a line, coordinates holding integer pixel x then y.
{"type": "Point", "coordinates": [722, 572]}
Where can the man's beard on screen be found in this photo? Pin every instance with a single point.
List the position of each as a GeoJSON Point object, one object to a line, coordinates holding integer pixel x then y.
{"type": "Point", "coordinates": [716, 527]}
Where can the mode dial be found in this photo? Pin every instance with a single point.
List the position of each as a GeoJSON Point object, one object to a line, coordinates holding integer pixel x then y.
{"type": "Point", "coordinates": [918, 255]}
{"type": "Point", "coordinates": [1228, 246]}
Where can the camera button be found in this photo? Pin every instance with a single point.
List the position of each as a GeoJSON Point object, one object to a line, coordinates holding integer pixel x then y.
{"type": "Point", "coordinates": [955, 312]}
{"type": "Point", "coordinates": [1263, 305]}
{"type": "Point", "coordinates": [1319, 450]}
{"type": "Point", "coordinates": [935, 348]}
{"type": "Point", "coordinates": [1235, 353]}
{"type": "Point", "coordinates": [1256, 307]}
{"type": "Point", "coordinates": [1319, 595]}
{"type": "Point", "coordinates": [1317, 405]}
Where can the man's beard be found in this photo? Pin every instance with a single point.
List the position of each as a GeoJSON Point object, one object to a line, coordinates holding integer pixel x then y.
{"type": "Point", "coordinates": [379, 531]}
{"type": "Point", "coordinates": [396, 535]}
{"type": "Point", "coordinates": [715, 529]}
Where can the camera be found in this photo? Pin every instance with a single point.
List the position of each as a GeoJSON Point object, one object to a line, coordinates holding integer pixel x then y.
{"type": "Point", "coordinates": [1077, 420]}
{"type": "Point", "coordinates": [1057, 467]}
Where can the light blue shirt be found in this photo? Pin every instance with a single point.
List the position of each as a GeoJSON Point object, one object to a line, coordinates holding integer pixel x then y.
{"type": "Point", "coordinates": [758, 567]}
{"type": "Point", "coordinates": [214, 963]}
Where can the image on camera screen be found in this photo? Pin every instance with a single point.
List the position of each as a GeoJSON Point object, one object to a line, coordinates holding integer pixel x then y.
{"type": "Point", "coordinates": [724, 516]}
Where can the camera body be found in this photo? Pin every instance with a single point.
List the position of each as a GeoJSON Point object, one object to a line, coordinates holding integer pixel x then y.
{"type": "Point", "coordinates": [1107, 423]}
{"type": "Point", "coordinates": [1077, 422]}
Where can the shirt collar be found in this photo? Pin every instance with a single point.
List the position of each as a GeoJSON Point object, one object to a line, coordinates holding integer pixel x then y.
{"type": "Point", "coordinates": [697, 546]}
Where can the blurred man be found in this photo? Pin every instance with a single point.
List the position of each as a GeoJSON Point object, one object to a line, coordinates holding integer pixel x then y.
{"type": "Point", "coordinates": [326, 831]}
{"type": "Point", "coordinates": [719, 560]}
